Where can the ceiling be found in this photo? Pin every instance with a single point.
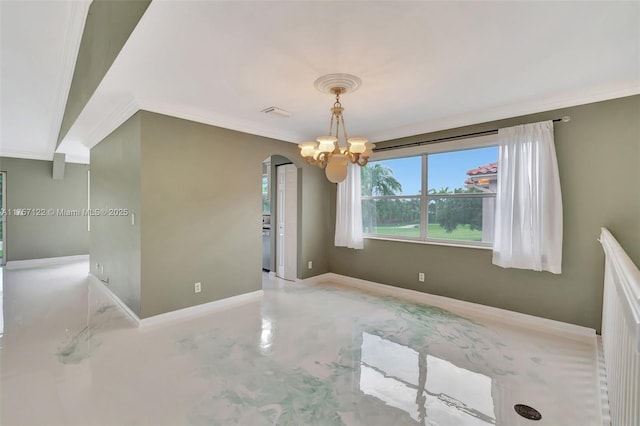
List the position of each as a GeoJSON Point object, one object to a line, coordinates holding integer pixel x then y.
{"type": "Point", "coordinates": [424, 66]}
{"type": "Point", "coordinates": [39, 43]}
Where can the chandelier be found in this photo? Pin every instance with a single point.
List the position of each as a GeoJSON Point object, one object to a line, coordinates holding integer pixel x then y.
{"type": "Point", "coordinates": [329, 152]}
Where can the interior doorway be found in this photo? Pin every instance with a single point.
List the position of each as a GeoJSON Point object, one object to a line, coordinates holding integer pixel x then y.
{"type": "Point", "coordinates": [280, 211]}
{"type": "Point", "coordinates": [287, 222]}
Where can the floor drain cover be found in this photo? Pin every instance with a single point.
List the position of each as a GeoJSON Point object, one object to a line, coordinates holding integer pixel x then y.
{"type": "Point", "coordinates": [527, 412]}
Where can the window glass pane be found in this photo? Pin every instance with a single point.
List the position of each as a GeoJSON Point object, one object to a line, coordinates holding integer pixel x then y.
{"type": "Point", "coordinates": [399, 217]}
{"type": "Point", "coordinates": [461, 219]}
{"type": "Point", "coordinates": [400, 176]}
{"type": "Point", "coordinates": [471, 170]}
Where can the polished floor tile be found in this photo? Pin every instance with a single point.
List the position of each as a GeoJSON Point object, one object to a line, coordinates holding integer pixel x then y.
{"type": "Point", "coordinates": [302, 355]}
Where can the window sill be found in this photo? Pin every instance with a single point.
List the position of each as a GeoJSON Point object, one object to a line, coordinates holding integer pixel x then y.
{"type": "Point", "coordinates": [433, 243]}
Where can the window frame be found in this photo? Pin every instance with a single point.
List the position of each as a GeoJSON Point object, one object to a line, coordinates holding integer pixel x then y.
{"type": "Point", "coordinates": [423, 151]}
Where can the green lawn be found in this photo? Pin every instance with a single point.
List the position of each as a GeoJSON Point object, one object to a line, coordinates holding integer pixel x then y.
{"type": "Point", "coordinates": [462, 232]}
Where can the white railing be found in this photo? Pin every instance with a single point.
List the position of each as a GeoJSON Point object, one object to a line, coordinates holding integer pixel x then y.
{"type": "Point", "coordinates": [621, 332]}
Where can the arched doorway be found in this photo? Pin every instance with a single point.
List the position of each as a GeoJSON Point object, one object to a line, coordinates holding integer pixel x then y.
{"type": "Point", "coordinates": [280, 216]}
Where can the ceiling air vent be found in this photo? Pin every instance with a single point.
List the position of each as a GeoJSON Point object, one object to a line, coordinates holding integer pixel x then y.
{"type": "Point", "coordinates": [276, 112]}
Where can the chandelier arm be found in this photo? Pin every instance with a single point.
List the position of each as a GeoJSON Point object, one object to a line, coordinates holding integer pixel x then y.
{"type": "Point", "coordinates": [344, 131]}
{"type": "Point", "coordinates": [331, 125]}
{"type": "Point", "coordinates": [323, 160]}
{"type": "Point", "coordinates": [336, 148]}
{"type": "Point", "coordinates": [362, 161]}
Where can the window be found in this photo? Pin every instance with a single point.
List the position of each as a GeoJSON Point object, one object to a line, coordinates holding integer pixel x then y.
{"type": "Point", "coordinates": [445, 196]}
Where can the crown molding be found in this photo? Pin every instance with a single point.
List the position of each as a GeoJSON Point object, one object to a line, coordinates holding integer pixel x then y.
{"type": "Point", "coordinates": [78, 11]}
{"type": "Point", "coordinates": [119, 113]}
{"type": "Point", "coordinates": [128, 106]}
{"type": "Point", "coordinates": [69, 158]}
{"type": "Point", "coordinates": [26, 155]}
{"type": "Point", "coordinates": [503, 112]}
{"type": "Point", "coordinates": [476, 117]}
{"type": "Point", "coordinates": [224, 122]}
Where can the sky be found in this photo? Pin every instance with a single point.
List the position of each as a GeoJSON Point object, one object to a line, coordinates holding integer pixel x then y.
{"type": "Point", "coordinates": [448, 169]}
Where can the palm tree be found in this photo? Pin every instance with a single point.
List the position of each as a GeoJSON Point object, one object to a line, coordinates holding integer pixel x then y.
{"type": "Point", "coordinates": [378, 179]}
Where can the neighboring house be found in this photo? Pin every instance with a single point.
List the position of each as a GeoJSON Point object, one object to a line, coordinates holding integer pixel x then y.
{"type": "Point", "coordinates": [485, 179]}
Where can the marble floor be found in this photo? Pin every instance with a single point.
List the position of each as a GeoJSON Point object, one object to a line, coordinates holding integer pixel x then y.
{"type": "Point", "coordinates": [318, 354]}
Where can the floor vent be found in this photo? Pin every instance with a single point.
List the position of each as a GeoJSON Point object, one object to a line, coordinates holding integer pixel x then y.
{"type": "Point", "coordinates": [527, 412]}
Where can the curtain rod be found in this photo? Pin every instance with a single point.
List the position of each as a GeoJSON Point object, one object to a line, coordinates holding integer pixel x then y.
{"type": "Point", "coordinates": [564, 119]}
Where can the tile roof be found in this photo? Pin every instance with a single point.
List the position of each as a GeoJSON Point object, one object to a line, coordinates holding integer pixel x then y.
{"type": "Point", "coordinates": [489, 169]}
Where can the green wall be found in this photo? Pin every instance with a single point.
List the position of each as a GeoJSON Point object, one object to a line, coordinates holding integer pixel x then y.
{"type": "Point", "coordinates": [108, 26]}
{"type": "Point", "coordinates": [30, 186]}
{"type": "Point", "coordinates": [115, 183]}
{"type": "Point", "coordinates": [199, 207]}
{"type": "Point", "coordinates": [599, 159]}
{"type": "Point", "coordinates": [197, 189]}
{"type": "Point", "coordinates": [202, 212]}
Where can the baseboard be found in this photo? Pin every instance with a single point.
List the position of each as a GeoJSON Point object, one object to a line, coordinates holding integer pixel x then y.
{"type": "Point", "coordinates": [180, 314]}
{"type": "Point", "coordinates": [96, 283]}
{"type": "Point", "coordinates": [461, 307]}
{"type": "Point", "coordinates": [47, 261]}
{"type": "Point", "coordinates": [203, 309]}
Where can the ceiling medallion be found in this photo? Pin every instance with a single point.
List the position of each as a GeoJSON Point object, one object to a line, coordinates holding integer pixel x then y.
{"type": "Point", "coordinates": [347, 82]}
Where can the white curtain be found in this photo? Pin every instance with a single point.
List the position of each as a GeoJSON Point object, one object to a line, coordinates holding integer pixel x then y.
{"type": "Point", "coordinates": [528, 221]}
{"type": "Point", "coordinates": [349, 211]}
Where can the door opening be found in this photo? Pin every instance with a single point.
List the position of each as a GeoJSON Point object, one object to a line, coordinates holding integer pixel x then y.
{"type": "Point", "coordinates": [287, 222]}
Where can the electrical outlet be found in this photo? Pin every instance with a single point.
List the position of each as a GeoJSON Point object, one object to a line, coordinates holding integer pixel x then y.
{"type": "Point", "coordinates": [310, 264]}
{"type": "Point", "coordinates": [197, 287]}
{"type": "Point", "coordinates": [421, 277]}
